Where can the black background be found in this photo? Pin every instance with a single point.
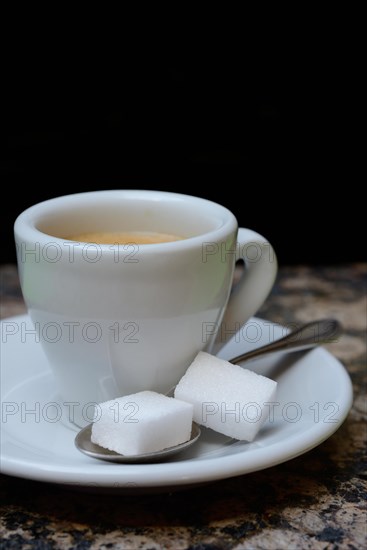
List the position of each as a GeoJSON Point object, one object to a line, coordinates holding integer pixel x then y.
{"type": "Point", "coordinates": [267, 139]}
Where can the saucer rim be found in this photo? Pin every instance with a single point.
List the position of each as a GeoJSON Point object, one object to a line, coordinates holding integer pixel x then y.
{"type": "Point", "coordinates": [169, 475]}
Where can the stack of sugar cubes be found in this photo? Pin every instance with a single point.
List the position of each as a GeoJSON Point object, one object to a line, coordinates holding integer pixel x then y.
{"type": "Point", "coordinates": [214, 393]}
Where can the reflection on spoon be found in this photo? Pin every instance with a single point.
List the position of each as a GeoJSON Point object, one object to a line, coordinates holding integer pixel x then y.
{"type": "Point", "coordinates": [307, 336]}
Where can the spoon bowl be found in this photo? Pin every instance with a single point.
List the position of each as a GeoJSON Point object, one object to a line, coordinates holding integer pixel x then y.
{"type": "Point", "coordinates": [84, 443]}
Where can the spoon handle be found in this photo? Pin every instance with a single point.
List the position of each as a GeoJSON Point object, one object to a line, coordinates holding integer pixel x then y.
{"type": "Point", "coordinates": [307, 336]}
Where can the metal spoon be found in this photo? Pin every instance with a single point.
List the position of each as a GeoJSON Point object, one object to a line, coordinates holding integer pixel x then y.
{"type": "Point", "coordinates": [84, 443]}
{"type": "Point", "coordinates": [310, 335]}
{"type": "Point", "coordinates": [307, 336]}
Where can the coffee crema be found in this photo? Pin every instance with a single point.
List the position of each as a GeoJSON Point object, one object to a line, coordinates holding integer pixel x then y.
{"type": "Point", "coordinates": [125, 237]}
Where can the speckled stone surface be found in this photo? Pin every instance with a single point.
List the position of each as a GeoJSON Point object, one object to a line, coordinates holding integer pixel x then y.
{"type": "Point", "coordinates": [317, 500]}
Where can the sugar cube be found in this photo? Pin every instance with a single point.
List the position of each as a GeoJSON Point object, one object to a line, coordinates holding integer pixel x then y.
{"type": "Point", "coordinates": [226, 398]}
{"type": "Point", "coordinates": [141, 423]}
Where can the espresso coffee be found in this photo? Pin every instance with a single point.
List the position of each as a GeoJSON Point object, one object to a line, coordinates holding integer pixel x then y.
{"type": "Point", "coordinates": [125, 237]}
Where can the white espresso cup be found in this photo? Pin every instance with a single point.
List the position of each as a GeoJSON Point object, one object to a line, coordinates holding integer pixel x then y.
{"type": "Point", "coordinates": [115, 319]}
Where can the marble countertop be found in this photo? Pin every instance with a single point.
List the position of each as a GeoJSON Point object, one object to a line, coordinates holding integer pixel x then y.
{"type": "Point", "coordinates": [317, 500]}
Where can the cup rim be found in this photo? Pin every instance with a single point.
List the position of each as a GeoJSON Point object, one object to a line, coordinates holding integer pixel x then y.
{"type": "Point", "coordinates": [24, 225]}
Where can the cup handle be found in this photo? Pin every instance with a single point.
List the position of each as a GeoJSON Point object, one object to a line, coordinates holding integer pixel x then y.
{"type": "Point", "coordinates": [254, 286]}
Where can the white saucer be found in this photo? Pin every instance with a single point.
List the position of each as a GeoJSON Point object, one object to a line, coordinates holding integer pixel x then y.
{"type": "Point", "coordinates": [314, 396]}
